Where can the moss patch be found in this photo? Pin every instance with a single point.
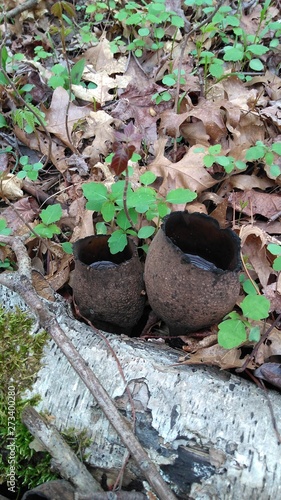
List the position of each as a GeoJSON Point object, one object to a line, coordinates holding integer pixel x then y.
{"type": "Point", "coordinates": [20, 361]}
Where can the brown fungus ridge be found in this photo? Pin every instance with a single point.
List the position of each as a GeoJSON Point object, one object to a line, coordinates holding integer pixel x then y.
{"type": "Point", "coordinates": [187, 297]}
{"type": "Point", "coordinates": [111, 298]}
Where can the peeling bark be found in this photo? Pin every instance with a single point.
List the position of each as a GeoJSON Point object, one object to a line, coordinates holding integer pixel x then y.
{"type": "Point", "coordinates": [209, 431]}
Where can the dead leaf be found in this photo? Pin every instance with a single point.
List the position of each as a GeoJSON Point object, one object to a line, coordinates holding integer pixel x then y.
{"type": "Point", "coordinates": [10, 187]}
{"type": "Point", "coordinates": [217, 356]}
{"type": "Point", "coordinates": [271, 372]}
{"type": "Point", "coordinates": [104, 84]}
{"type": "Point", "coordinates": [55, 115]}
{"type": "Point", "coordinates": [189, 172]}
{"type": "Point", "coordinates": [102, 59]}
{"type": "Point", "coordinates": [253, 241]}
{"type": "Point", "coordinates": [252, 202]}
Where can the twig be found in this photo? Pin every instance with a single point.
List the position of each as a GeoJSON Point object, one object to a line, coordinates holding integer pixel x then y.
{"type": "Point", "coordinates": [64, 458]}
{"type": "Point", "coordinates": [20, 282]}
{"type": "Point", "coordinates": [29, 4]}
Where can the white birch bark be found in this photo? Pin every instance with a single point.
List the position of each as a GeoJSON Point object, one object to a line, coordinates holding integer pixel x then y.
{"type": "Point", "coordinates": [209, 431]}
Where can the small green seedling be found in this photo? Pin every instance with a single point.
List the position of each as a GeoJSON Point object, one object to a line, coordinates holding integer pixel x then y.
{"type": "Point", "coordinates": [236, 329]}
{"type": "Point", "coordinates": [266, 153]}
{"type": "Point", "coordinates": [47, 228]}
{"type": "Point", "coordinates": [29, 170]}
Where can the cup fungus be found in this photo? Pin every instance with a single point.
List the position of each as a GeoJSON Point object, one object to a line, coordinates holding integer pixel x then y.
{"type": "Point", "coordinates": [108, 289]}
{"type": "Point", "coordinates": [192, 272]}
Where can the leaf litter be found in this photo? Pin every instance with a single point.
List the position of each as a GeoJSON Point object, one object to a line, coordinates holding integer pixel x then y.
{"type": "Point", "coordinates": [117, 87]}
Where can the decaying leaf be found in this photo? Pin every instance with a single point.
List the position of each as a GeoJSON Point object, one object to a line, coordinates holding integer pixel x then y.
{"type": "Point", "coordinates": [253, 202]}
{"type": "Point", "coordinates": [189, 172]}
{"type": "Point", "coordinates": [10, 187]}
{"type": "Point", "coordinates": [55, 115]}
{"type": "Point", "coordinates": [104, 84]}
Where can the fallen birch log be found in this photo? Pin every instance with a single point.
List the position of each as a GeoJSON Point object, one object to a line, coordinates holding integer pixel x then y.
{"type": "Point", "coordinates": [208, 431]}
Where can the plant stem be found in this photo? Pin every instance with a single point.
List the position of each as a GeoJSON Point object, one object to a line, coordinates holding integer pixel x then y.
{"type": "Point", "coordinates": [125, 200]}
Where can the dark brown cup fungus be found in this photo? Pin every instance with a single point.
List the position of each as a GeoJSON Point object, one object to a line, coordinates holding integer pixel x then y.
{"type": "Point", "coordinates": [192, 272]}
{"type": "Point", "coordinates": [108, 289]}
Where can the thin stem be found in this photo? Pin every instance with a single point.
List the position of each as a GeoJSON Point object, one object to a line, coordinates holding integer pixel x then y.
{"type": "Point", "coordinates": [125, 192]}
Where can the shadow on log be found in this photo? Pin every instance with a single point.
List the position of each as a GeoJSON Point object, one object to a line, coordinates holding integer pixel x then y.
{"type": "Point", "coordinates": [208, 431]}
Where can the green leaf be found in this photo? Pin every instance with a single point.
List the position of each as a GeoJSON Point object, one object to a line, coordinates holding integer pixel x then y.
{"type": "Point", "coordinates": [142, 198]}
{"type": "Point", "coordinates": [147, 178]}
{"type": "Point", "coordinates": [256, 64]}
{"type": "Point", "coordinates": [143, 32]}
{"type": "Point", "coordinates": [255, 307]}
{"type": "Point", "coordinates": [249, 288]}
{"type": "Point", "coordinates": [77, 71]}
{"type": "Point", "coordinates": [122, 220]}
{"type": "Point", "coordinates": [47, 231]}
{"type": "Point", "coordinates": [177, 21]}
{"type": "Point", "coordinates": [180, 195]}
{"type": "Point", "coordinates": [117, 241]}
{"type": "Point", "coordinates": [67, 247]}
{"type": "Point", "coordinates": [232, 333]}
{"type": "Point", "coordinates": [24, 160]}
{"type": "Point", "coordinates": [209, 160]}
{"type": "Point", "coordinates": [134, 19]}
{"type": "Point", "coordinates": [233, 54]}
{"type": "Point", "coordinates": [3, 122]}
{"type": "Point", "coordinates": [216, 70]}
{"type": "Point", "coordinates": [277, 264]}
{"type": "Point", "coordinates": [96, 193]}
{"type": "Point", "coordinates": [165, 96]}
{"type": "Point", "coordinates": [3, 79]}
{"type": "Point", "coordinates": [101, 228]}
{"type": "Point", "coordinates": [56, 81]}
{"type": "Point", "coordinates": [275, 170]}
{"type": "Point", "coordinates": [146, 232]}
{"type": "Point", "coordinates": [51, 214]}
{"type": "Point", "coordinates": [255, 153]}
{"type": "Point", "coordinates": [274, 248]}
{"type": "Point", "coordinates": [163, 209]}
{"type": "Point", "coordinates": [276, 148]}
{"type": "Point", "coordinates": [4, 230]}
{"type": "Point", "coordinates": [169, 80]}
{"type": "Point", "coordinates": [215, 149]}
{"type": "Point", "coordinates": [254, 334]}
{"type": "Point", "coordinates": [257, 49]}
{"type": "Point", "coordinates": [108, 210]}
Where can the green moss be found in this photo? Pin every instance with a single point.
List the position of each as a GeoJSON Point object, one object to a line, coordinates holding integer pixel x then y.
{"type": "Point", "coordinates": [20, 361]}
{"type": "Point", "coordinates": [20, 352]}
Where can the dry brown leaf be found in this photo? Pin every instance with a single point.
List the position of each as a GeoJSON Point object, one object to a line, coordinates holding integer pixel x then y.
{"type": "Point", "coordinates": [55, 115]}
{"type": "Point", "coordinates": [217, 356]}
{"type": "Point", "coordinates": [252, 202]}
{"type": "Point", "coordinates": [272, 293]}
{"type": "Point", "coordinates": [39, 142]}
{"type": "Point", "coordinates": [102, 58]}
{"type": "Point", "coordinates": [136, 103]}
{"type": "Point", "coordinates": [274, 113]}
{"type": "Point", "coordinates": [104, 84]}
{"type": "Point", "coordinates": [247, 182]}
{"type": "Point", "coordinates": [99, 127]}
{"type": "Point", "coordinates": [270, 348]}
{"type": "Point", "coordinates": [189, 172]}
{"type": "Point", "coordinates": [10, 187]}
{"type": "Point", "coordinates": [253, 241]}
{"type": "Point", "coordinates": [27, 208]}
